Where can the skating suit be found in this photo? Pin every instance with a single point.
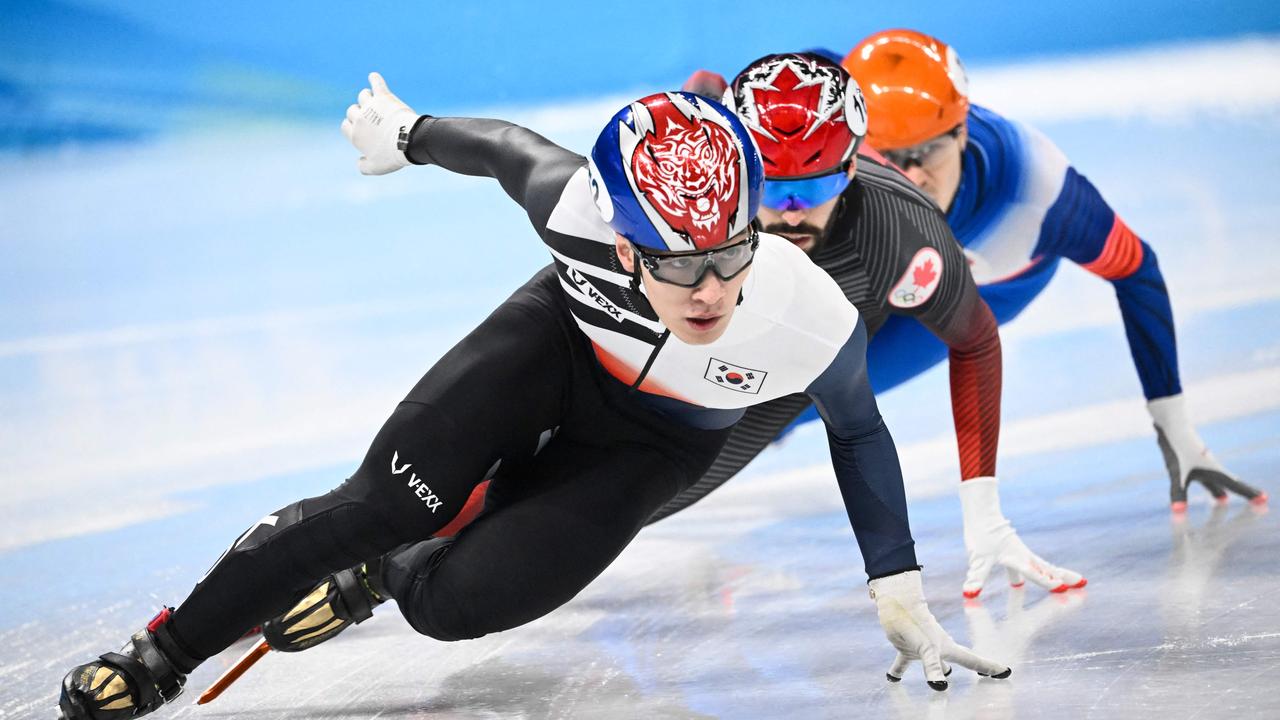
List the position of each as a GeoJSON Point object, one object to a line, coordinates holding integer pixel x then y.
{"type": "Point", "coordinates": [1019, 210]}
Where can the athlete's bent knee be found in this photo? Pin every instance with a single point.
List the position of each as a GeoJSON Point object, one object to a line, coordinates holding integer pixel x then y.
{"type": "Point", "coordinates": [430, 602]}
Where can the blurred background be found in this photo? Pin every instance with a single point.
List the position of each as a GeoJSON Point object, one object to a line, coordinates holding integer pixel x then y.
{"type": "Point", "coordinates": [205, 311]}
{"type": "Point", "coordinates": [129, 70]}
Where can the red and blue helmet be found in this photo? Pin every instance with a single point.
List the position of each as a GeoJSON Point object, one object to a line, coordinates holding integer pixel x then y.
{"type": "Point", "coordinates": [676, 172]}
{"type": "Point", "coordinates": [808, 117]}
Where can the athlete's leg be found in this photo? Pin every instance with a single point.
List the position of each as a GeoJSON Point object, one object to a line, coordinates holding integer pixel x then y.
{"type": "Point", "coordinates": [536, 551]}
{"type": "Point", "coordinates": [416, 477]}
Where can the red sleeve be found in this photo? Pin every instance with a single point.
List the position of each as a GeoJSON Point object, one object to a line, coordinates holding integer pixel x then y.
{"type": "Point", "coordinates": [974, 344]}
{"type": "Point", "coordinates": [920, 271]}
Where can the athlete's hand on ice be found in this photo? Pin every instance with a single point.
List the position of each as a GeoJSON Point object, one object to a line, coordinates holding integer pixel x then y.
{"type": "Point", "coordinates": [992, 541]}
{"type": "Point", "coordinates": [378, 125]}
{"type": "Point", "coordinates": [912, 629]}
{"type": "Point", "coordinates": [1187, 458]}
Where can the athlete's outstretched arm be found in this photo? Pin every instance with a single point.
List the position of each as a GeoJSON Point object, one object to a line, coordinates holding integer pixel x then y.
{"type": "Point", "coordinates": [531, 169]}
{"type": "Point", "coordinates": [930, 263]}
{"type": "Point", "coordinates": [1081, 226]}
{"type": "Point", "coordinates": [870, 478]}
{"type": "Point", "coordinates": [865, 460]}
{"type": "Point", "coordinates": [390, 135]}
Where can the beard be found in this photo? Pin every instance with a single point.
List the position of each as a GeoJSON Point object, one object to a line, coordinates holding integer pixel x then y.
{"type": "Point", "coordinates": [806, 236]}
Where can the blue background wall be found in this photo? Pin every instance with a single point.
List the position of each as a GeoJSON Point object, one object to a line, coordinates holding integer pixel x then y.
{"type": "Point", "coordinates": [121, 69]}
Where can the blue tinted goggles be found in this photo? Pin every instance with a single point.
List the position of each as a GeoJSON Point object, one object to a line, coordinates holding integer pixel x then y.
{"type": "Point", "coordinates": [804, 193]}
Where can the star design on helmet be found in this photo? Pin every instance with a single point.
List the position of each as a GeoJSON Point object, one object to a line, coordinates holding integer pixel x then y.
{"type": "Point", "coordinates": [686, 169]}
{"type": "Point", "coordinates": [788, 74]}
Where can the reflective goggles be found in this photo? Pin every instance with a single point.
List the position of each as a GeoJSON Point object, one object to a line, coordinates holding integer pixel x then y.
{"type": "Point", "coordinates": [805, 193]}
{"type": "Point", "coordinates": [926, 154]}
{"type": "Point", "coordinates": [688, 269]}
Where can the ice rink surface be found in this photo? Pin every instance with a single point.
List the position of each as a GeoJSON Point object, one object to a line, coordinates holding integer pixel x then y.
{"type": "Point", "coordinates": [175, 363]}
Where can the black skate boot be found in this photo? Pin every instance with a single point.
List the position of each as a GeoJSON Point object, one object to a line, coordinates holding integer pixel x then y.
{"type": "Point", "coordinates": [345, 598]}
{"type": "Point", "coordinates": [148, 672]}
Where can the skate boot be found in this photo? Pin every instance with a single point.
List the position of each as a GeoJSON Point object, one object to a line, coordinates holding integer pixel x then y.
{"type": "Point", "coordinates": [148, 672]}
{"type": "Point", "coordinates": [345, 598]}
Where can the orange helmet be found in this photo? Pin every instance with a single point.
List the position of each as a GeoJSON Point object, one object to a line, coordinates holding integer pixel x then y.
{"type": "Point", "coordinates": [915, 87]}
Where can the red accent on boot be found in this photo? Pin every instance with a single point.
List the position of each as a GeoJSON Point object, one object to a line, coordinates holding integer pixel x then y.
{"type": "Point", "coordinates": [161, 618]}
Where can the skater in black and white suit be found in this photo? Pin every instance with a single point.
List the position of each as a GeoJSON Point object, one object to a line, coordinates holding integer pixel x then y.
{"type": "Point", "coordinates": [610, 381]}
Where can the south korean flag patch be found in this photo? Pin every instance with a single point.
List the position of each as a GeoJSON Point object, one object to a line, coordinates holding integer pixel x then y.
{"type": "Point", "coordinates": [735, 377]}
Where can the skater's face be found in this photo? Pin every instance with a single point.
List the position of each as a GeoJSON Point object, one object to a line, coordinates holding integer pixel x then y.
{"type": "Point", "coordinates": [696, 315]}
{"type": "Point", "coordinates": [805, 227]}
{"type": "Point", "coordinates": [934, 165]}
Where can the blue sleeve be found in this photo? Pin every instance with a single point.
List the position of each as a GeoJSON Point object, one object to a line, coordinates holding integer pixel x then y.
{"type": "Point", "coordinates": [865, 460]}
{"type": "Point", "coordinates": [1082, 227]}
{"type": "Point", "coordinates": [1078, 223]}
{"type": "Point", "coordinates": [1148, 324]}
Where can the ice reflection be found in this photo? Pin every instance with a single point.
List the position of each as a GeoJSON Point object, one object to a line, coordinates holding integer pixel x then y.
{"type": "Point", "coordinates": [1195, 562]}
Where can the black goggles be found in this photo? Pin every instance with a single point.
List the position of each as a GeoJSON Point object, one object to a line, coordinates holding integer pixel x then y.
{"type": "Point", "coordinates": [688, 269]}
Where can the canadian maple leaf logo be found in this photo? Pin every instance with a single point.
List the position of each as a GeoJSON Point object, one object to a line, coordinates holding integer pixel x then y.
{"type": "Point", "coordinates": [917, 284]}
{"type": "Point", "coordinates": [924, 274]}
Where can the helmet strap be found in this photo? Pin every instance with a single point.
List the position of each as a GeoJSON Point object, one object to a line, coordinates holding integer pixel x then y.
{"type": "Point", "coordinates": [635, 275]}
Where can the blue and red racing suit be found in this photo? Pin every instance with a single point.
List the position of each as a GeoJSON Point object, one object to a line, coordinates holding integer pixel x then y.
{"type": "Point", "coordinates": [1019, 210]}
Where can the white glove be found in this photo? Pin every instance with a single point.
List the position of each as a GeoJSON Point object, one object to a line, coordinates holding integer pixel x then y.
{"type": "Point", "coordinates": [912, 629]}
{"type": "Point", "coordinates": [378, 125]}
{"type": "Point", "coordinates": [991, 541]}
{"type": "Point", "coordinates": [1187, 458]}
